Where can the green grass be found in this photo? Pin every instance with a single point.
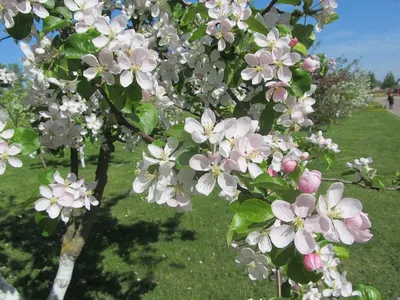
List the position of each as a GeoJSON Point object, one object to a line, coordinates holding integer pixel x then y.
{"type": "Point", "coordinates": [140, 250]}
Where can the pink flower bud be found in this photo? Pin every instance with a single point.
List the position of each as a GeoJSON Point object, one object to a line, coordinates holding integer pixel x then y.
{"type": "Point", "coordinates": [272, 172]}
{"type": "Point", "coordinates": [312, 262]}
{"type": "Point", "coordinates": [309, 182]}
{"type": "Point", "coordinates": [288, 165]}
{"type": "Point", "coordinates": [293, 42]}
{"type": "Point", "coordinates": [305, 156]}
{"type": "Point", "coordinates": [310, 64]}
{"type": "Point", "coordinates": [359, 227]}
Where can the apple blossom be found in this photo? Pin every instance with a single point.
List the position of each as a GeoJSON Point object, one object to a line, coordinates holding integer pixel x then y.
{"type": "Point", "coordinates": [105, 66]}
{"type": "Point", "coordinates": [312, 262]}
{"type": "Point", "coordinates": [256, 263]}
{"type": "Point", "coordinates": [300, 225]}
{"type": "Point", "coordinates": [337, 209]}
{"type": "Point", "coordinates": [53, 200]}
{"type": "Point", "coordinates": [206, 130]}
{"type": "Point", "coordinates": [6, 155]}
{"type": "Point", "coordinates": [288, 165]}
{"type": "Point", "coordinates": [221, 30]}
{"type": "Point", "coordinates": [259, 67]}
{"type": "Point", "coordinates": [310, 181]}
{"type": "Point", "coordinates": [359, 226]}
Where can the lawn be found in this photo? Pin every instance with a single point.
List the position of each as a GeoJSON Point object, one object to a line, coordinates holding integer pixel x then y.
{"type": "Point", "coordinates": [138, 250]}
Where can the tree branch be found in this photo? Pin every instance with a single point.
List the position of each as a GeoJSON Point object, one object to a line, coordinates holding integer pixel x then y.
{"type": "Point", "coordinates": [74, 161]}
{"type": "Point", "coordinates": [42, 161]}
{"type": "Point", "coordinates": [376, 188]}
{"type": "Point", "coordinates": [268, 8]}
{"type": "Point", "coordinates": [121, 119]}
{"type": "Point", "coordinates": [5, 38]}
{"type": "Point", "coordinates": [188, 110]}
{"type": "Point", "coordinates": [233, 96]}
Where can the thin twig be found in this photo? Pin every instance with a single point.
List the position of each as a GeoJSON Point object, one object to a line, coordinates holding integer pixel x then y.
{"type": "Point", "coordinates": [188, 110]}
{"type": "Point", "coordinates": [278, 282]}
{"type": "Point", "coordinates": [217, 114]}
{"type": "Point", "coordinates": [233, 96]}
{"type": "Point", "coordinates": [184, 4]}
{"type": "Point", "coordinates": [42, 161]}
{"type": "Point", "coordinates": [121, 119]}
{"type": "Point", "coordinates": [268, 8]}
{"type": "Point", "coordinates": [5, 38]}
{"type": "Point", "coordinates": [376, 188]}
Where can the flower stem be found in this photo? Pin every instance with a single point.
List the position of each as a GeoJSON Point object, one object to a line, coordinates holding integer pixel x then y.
{"type": "Point", "coordinates": [278, 282]}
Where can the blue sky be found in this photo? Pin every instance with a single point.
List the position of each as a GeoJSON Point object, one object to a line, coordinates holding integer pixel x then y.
{"type": "Point", "coordinates": [367, 29]}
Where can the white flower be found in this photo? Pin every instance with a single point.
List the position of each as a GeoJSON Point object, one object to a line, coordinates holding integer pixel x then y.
{"type": "Point", "coordinates": [256, 264]}
{"type": "Point", "coordinates": [161, 156]}
{"type": "Point", "coordinates": [206, 130]}
{"type": "Point", "coordinates": [38, 9]}
{"type": "Point", "coordinates": [140, 62]}
{"type": "Point", "coordinates": [337, 209]}
{"type": "Point", "coordinates": [8, 12]}
{"type": "Point", "coordinates": [6, 155]}
{"type": "Point", "coordinates": [272, 41]}
{"type": "Point", "coordinates": [221, 30]}
{"type": "Point", "coordinates": [259, 67]}
{"type": "Point", "coordinates": [218, 172]}
{"type": "Point", "coordinates": [109, 31]}
{"type": "Point", "coordinates": [105, 66]}
{"type": "Point", "coordinates": [53, 200]}
{"type": "Point", "coordinates": [79, 6]}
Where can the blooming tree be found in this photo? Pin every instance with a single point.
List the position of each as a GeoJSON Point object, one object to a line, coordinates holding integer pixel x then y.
{"type": "Point", "coordinates": [116, 71]}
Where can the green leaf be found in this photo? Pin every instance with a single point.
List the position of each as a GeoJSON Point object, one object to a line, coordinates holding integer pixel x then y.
{"type": "Point", "coordinates": [284, 30]}
{"type": "Point", "coordinates": [232, 72]}
{"type": "Point", "coordinates": [85, 88]}
{"type": "Point", "coordinates": [183, 157]}
{"type": "Point", "coordinates": [331, 18]}
{"type": "Point", "coordinates": [275, 184]}
{"type": "Point", "coordinates": [79, 44]}
{"type": "Point", "coordinates": [256, 25]}
{"type": "Point", "coordinates": [148, 117]}
{"type": "Point", "coordinates": [46, 224]}
{"type": "Point", "coordinates": [49, 4]}
{"type": "Point", "coordinates": [52, 23]}
{"type": "Point", "coordinates": [379, 182]}
{"type": "Point", "coordinates": [281, 257]}
{"type": "Point", "coordinates": [304, 34]}
{"type": "Point", "coordinates": [22, 27]}
{"type": "Point", "coordinates": [368, 292]}
{"type": "Point", "coordinates": [301, 82]}
{"type": "Point", "coordinates": [191, 13]}
{"type": "Point", "coordinates": [178, 131]}
{"type": "Point", "coordinates": [291, 2]}
{"type": "Point", "coordinates": [46, 177]}
{"type": "Point", "coordinates": [199, 33]}
{"type": "Point", "coordinates": [329, 158]}
{"type": "Point", "coordinates": [298, 273]}
{"type": "Point", "coordinates": [62, 11]}
{"type": "Point", "coordinates": [299, 47]}
{"type": "Point", "coordinates": [255, 210]}
{"type": "Point", "coordinates": [267, 118]}
{"type": "Point", "coordinates": [20, 208]}
{"type": "Point", "coordinates": [341, 252]}
{"type": "Point", "coordinates": [28, 138]}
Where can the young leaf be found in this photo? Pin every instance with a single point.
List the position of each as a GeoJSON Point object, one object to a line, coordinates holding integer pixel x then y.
{"type": "Point", "coordinates": [46, 177]}
{"type": "Point", "coordinates": [22, 27]}
{"type": "Point", "coordinates": [256, 25]}
{"type": "Point", "coordinates": [329, 158]}
{"type": "Point", "coordinates": [47, 224]}
{"type": "Point", "coordinates": [148, 117]}
{"type": "Point", "coordinates": [28, 138]}
{"type": "Point", "coordinates": [79, 44]}
{"type": "Point", "coordinates": [52, 23]}
{"type": "Point", "coordinates": [341, 252]}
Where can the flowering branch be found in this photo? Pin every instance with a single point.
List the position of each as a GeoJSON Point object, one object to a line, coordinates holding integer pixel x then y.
{"type": "Point", "coordinates": [268, 8]}
{"type": "Point", "coordinates": [376, 188]}
{"type": "Point", "coordinates": [121, 119]}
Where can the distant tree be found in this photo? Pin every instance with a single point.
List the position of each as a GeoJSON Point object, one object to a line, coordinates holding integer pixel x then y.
{"type": "Point", "coordinates": [372, 79]}
{"type": "Point", "coordinates": [389, 82]}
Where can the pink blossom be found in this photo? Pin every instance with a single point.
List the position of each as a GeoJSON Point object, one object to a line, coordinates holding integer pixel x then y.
{"type": "Point", "coordinates": [305, 156]}
{"type": "Point", "coordinates": [276, 91]}
{"type": "Point", "coordinates": [312, 262]}
{"type": "Point", "coordinates": [311, 65]}
{"type": "Point", "coordinates": [359, 227]}
{"type": "Point", "coordinates": [293, 42]}
{"type": "Point", "coordinates": [272, 172]}
{"type": "Point", "coordinates": [309, 182]}
{"type": "Point", "coordinates": [288, 165]}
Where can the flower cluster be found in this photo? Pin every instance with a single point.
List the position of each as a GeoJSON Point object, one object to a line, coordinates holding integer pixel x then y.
{"type": "Point", "coordinates": [362, 168]}
{"type": "Point", "coordinates": [66, 196]}
{"type": "Point", "coordinates": [7, 77]}
{"type": "Point", "coordinates": [323, 143]}
{"type": "Point", "coordinates": [8, 150]}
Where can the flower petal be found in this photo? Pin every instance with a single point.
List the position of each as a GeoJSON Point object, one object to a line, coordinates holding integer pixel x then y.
{"type": "Point", "coordinates": [304, 205]}
{"type": "Point", "coordinates": [283, 210]}
{"type": "Point", "coordinates": [206, 184]}
{"type": "Point", "coordinates": [304, 241]}
{"type": "Point", "coordinates": [282, 236]}
{"type": "Point", "coordinates": [200, 163]}
{"type": "Point", "coordinates": [349, 207]}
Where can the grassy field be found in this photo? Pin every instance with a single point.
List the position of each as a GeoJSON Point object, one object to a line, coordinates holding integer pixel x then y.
{"type": "Point", "coordinates": [138, 250]}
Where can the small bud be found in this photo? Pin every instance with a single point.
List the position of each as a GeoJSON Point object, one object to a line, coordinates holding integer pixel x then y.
{"type": "Point", "coordinates": [272, 172]}
{"type": "Point", "coordinates": [310, 64]}
{"type": "Point", "coordinates": [293, 42]}
{"type": "Point", "coordinates": [309, 182]}
{"type": "Point", "coordinates": [305, 156]}
{"type": "Point", "coordinates": [312, 262]}
{"type": "Point", "coordinates": [288, 165]}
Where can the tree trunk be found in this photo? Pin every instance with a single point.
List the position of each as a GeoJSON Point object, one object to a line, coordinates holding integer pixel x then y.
{"type": "Point", "coordinates": [75, 238]}
{"type": "Point", "coordinates": [74, 161]}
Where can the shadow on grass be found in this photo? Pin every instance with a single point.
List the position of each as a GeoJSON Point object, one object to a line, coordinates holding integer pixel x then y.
{"type": "Point", "coordinates": [65, 163]}
{"type": "Point", "coordinates": [35, 265]}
